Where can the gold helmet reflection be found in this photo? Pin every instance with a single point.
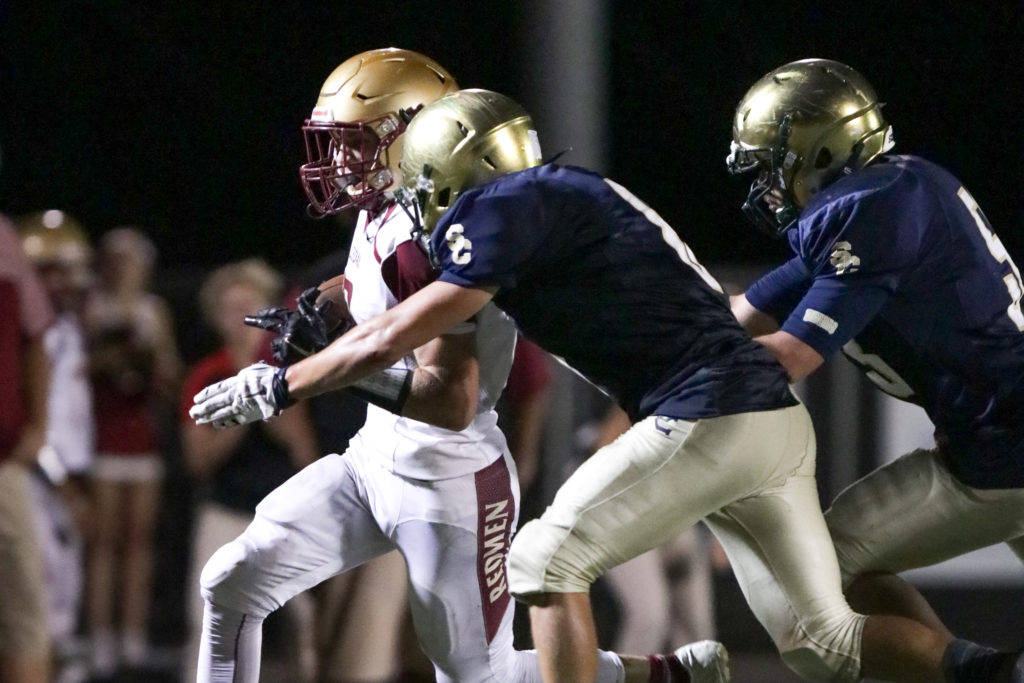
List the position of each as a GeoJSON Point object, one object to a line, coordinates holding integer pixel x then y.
{"type": "Point", "coordinates": [802, 126]}
{"type": "Point", "coordinates": [461, 141]}
{"type": "Point", "coordinates": [353, 136]}
{"type": "Point", "coordinates": [54, 237]}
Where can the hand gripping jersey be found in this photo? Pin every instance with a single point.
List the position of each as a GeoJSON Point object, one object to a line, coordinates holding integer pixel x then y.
{"type": "Point", "coordinates": [591, 274]}
{"type": "Point", "coordinates": [386, 265]}
{"type": "Point", "coordinates": [897, 266]}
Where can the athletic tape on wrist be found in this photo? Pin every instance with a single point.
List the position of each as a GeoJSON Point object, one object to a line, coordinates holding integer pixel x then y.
{"type": "Point", "coordinates": [279, 389]}
{"type": "Point", "coordinates": [388, 389]}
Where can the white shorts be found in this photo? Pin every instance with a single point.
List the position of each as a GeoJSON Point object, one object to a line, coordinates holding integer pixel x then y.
{"type": "Point", "coordinates": [751, 477]}
{"type": "Point", "coordinates": [913, 513]}
{"type": "Point", "coordinates": [343, 510]}
{"type": "Point", "coordinates": [128, 469]}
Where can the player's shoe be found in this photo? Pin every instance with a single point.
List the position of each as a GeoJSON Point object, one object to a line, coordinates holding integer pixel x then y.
{"type": "Point", "coordinates": [705, 661]}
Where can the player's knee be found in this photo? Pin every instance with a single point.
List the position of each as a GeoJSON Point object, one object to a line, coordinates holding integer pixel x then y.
{"type": "Point", "coordinates": [545, 558]}
{"type": "Point", "coordinates": [226, 579]}
{"type": "Point", "coordinates": [825, 648]}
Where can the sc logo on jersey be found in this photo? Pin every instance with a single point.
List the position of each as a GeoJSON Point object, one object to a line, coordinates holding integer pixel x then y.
{"type": "Point", "coordinates": [843, 260]}
{"type": "Point", "coordinates": [459, 245]}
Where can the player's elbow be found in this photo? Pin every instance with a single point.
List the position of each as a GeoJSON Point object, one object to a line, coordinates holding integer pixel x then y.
{"type": "Point", "coordinates": [455, 410]}
{"type": "Point", "coordinates": [461, 413]}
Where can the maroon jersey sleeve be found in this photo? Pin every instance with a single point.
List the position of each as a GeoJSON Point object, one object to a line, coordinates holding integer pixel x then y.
{"type": "Point", "coordinates": [407, 270]}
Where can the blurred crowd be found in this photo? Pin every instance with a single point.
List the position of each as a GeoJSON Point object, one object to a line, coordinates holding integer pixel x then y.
{"type": "Point", "coordinates": [112, 499]}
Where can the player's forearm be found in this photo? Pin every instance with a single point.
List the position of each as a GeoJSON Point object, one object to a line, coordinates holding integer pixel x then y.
{"type": "Point", "coordinates": [755, 322]}
{"type": "Point", "coordinates": [794, 355]}
{"type": "Point", "coordinates": [363, 351]}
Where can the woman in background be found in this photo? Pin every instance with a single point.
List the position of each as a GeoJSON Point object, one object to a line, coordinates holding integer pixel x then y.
{"type": "Point", "coordinates": [134, 365]}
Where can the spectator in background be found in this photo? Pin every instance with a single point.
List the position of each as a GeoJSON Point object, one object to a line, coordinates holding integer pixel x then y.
{"type": "Point", "coordinates": [236, 468]}
{"type": "Point", "coordinates": [134, 365]}
{"type": "Point", "coordinates": [24, 385]}
{"type": "Point", "coordinates": [60, 251]}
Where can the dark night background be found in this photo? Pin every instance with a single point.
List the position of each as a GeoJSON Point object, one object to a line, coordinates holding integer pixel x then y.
{"type": "Point", "coordinates": [185, 117]}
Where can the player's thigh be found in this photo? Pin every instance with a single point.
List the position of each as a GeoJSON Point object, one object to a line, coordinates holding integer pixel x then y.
{"type": "Point", "coordinates": [781, 553]}
{"type": "Point", "coordinates": [651, 483]}
{"type": "Point", "coordinates": [912, 513]}
{"type": "Point", "coordinates": [454, 535]}
{"type": "Point", "coordinates": [311, 527]}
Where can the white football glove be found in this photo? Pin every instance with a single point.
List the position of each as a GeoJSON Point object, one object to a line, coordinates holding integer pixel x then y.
{"type": "Point", "coordinates": [258, 392]}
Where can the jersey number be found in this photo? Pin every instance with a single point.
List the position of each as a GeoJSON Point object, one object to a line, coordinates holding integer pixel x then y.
{"type": "Point", "coordinates": [878, 371]}
{"type": "Point", "coordinates": [458, 244]}
{"type": "Point", "coordinates": [667, 233]}
{"type": "Point", "coordinates": [998, 251]}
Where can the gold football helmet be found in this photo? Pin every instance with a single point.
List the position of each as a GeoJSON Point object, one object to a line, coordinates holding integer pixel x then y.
{"type": "Point", "coordinates": [54, 237]}
{"type": "Point", "coordinates": [461, 141]}
{"type": "Point", "coordinates": [801, 127]}
{"type": "Point", "coordinates": [353, 137]}
{"type": "Point", "coordinates": [58, 247]}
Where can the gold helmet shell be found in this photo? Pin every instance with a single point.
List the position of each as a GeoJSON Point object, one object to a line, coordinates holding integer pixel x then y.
{"type": "Point", "coordinates": [54, 237]}
{"type": "Point", "coordinates": [803, 125]}
{"type": "Point", "coordinates": [353, 136]}
{"type": "Point", "coordinates": [463, 140]}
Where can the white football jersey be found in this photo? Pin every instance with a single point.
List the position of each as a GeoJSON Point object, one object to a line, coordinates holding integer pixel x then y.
{"type": "Point", "coordinates": [387, 264]}
{"type": "Point", "coordinates": [70, 430]}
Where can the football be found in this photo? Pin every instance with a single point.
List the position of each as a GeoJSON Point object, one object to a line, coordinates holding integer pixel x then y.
{"type": "Point", "coordinates": [337, 315]}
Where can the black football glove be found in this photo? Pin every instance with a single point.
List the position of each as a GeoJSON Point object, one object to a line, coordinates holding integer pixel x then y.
{"type": "Point", "coordinates": [300, 333]}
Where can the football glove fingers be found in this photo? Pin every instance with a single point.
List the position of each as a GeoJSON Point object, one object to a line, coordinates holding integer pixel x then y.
{"type": "Point", "coordinates": [298, 334]}
{"type": "Point", "coordinates": [272, 319]}
{"type": "Point", "coordinates": [257, 392]}
{"type": "Point", "coordinates": [316, 315]}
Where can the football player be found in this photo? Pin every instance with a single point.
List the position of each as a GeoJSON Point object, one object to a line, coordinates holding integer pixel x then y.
{"type": "Point", "coordinates": [592, 274]}
{"type": "Point", "coordinates": [59, 248]}
{"type": "Point", "coordinates": [896, 266]}
{"type": "Point", "coordinates": [430, 472]}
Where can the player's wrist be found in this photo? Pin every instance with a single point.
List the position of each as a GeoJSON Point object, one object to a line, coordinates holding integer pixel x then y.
{"type": "Point", "coordinates": [279, 389]}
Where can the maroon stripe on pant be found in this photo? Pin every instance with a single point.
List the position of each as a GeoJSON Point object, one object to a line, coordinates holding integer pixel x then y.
{"type": "Point", "coordinates": [495, 515]}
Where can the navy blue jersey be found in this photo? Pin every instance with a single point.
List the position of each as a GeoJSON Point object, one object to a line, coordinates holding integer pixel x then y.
{"type": "Point", "coordinates": [897, 266]}
{"type": "Point", "coordinates": [594, 276]}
